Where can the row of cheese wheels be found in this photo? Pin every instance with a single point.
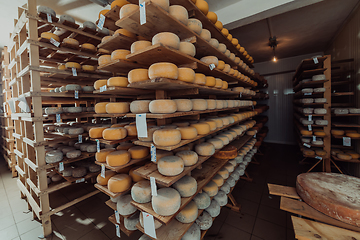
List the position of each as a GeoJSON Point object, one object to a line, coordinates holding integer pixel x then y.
{"type": "Point", "coordinates": [167, 106]}
{"type": "Point", "coordinates": [314, 152]}
{"type": "Point", "coordinates": [77, 66]}
{"type": "Point", "coordinates": [345, 154]}
{"type": "Point", "coordinates": [345, 133]}
{"type": "Point", "coordinates": [168, 135]}
{"type": "Point", "coordinates": [311, 110]}
{"type": "Point", "coordinates": [315, 132]}
{"type": "Point", "coordinates": [181, 14]}
{"type": "Point", "coordinates": [317, 141]}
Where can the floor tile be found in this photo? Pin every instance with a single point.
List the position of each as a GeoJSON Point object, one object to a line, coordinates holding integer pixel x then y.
{"type": "Point", "coordinates": [230, 232]}
{"type": "Point", "coordinates": [9, 233]}
{"type": "Point", "coordinates": [27, 225]}
{"type": "Point", "coordinates": [21, 216]}
{"type": "Point", "coordinates": [94, 235]}
{"type": "Point", "coordinates": [6, 222]}
{"type": "Point", "coordinates": [270, 200]}
{"type": "Point", "coordinates": [290, 235]}
{"type": "Point", "coordinates": [248, 207]}
{"type": "Point", "coordinates": [272, 215]}
{"type": "Point", "coordinates": [253, 237]}
{"type": "Point", "coordinates": [241, 221]}
{"type": "Point", "coordinates": [215, 228]}
{"type": "Point", "coordinates": [268, 230]}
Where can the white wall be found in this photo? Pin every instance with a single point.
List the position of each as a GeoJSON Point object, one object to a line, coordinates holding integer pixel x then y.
{"type": "Point", "coordinates": [280, 98]}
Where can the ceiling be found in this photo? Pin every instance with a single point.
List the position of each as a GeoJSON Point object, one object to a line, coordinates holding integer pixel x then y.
{"type": "Point", "coordinates": [305, 30]}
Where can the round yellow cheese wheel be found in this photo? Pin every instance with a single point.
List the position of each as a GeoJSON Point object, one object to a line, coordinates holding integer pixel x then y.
{"type": "Point", "coordinates": [49, 35]}
{"type": "Point", "coordinates": [120, 54]}
{"type": "Point", "coordinates": [89, 47]}
{"type": "Point", "coordinates": [212, 124]}
{"type": "Point", "coordinates": [225, 32]}
{"type": "Point", "coordinates": [205, 149]}
{"type": "Point", "coordinates": [135, 177]}
{"type": "Point", "coordinates": [101, 156]}
{"type": "Point", "coordinates": [170, 166]}
{"type": "Point", "coordinates": [219, 25]}
{"type": "Point", "coordinates": [200, 79]}
{"type": "Point", "coordinates": [167, 39]}
{"type": "Point", "coordinates": [187, 132]}
{"type": "Point", "coordinates": [187, 48]}
{"type": "Point", "coordinates": [118, 107]}
{"type": "Point", "coordinates": [131, 130]}
{"type": "Point", "coordinates": [180, 13]}
{"type": "Point", "coordinates": [337, 132]}
{"type": "Point", "coordinates": [140, 106]}
{"type": "Point", "coordinates": [125, 33]}
{"type": "Point", "coordinates": [205, 34]}
{"type": "Point", "coordinates": [104, 59]}
{"type": "Point", "coordinates": [195, 25]}
{"type": "Point", "coordinates": [190, 158]}
{"type": "Point", "coordinates": [73, 65]}
{"type": "Point", "coordinates": [138, 75]}
{"type": "Point", "coordinates": [186, 75]}
{"type": "Point", "coordinates": [218, 83]}
{"type": "Point", "coordinates": [103, 51]}
{"type": "Point", "coordinates": [163, 70]}
{"type": "Point", "coordinates": [114, 133]}
{"type": "Point", "coordinates": [242, 50]}
{"type": "Point", "coordinates": [212, 17]}
{"type": "Point", "coordinates": [344, 156]}
{"type": "Point", "coordinates": [211, 188]}
{"type": "Point", "coordinates": [225, 85]}
{"type": "Point", "coordinates": [118, 158]}
{"type": "Point", "coordinates": [353, 154]}
{"type": "Point", "coordinates": [62, 67]}
{"type": "Point", "coordinates": [319, 133]}
{"type": "Point", "coordinates": [210, 81]}
{"type": "Point", "coordinates": [99, 83]}
{"type": "Point", "coordinates": [139, 152]}
{"type": "Point", "coordinates": [167, 137]}
{"type": "Point", "coordinates": [188, 214]}
{"type": "Point", "coordinates": [96, 132]}
{"type": "Point", "coordinates": [104, 181]}
{"type": "Point", "coordinates": [88, 68]}
{"type": "Point", "coordinates": [119, 3]}
{"type": "Point", "coordinates": [221, 65]}
{"type": "Point", "coordinates": [119, 183]}
{"type": "Point", "coordinates": [117, 82]}
{"type": "Point", "coordinates": [71, 41]}
{"type": "Point", "coordinates": [101, 107]}
{"type": "Point", "coordinates": [229, 37]}
{"type": "Point", "coordinates": [218, 143]}
{"type": "Point", "coordinates": [139, 45]}
{"type": "Point", "coordinates": [162, 106]}
{"type": "Point", "coordinates": [128, 9]}
{"type": "Point", "coordinates": [218, 180]}
{"type": "Point", "coordinates": [353, 135]}
{"type": "Point", "coordinates": [235, 41]}
{"type": "Point", "coordinates": [305, 132]}
{"type": "Point", "coordinates": [203, 6]}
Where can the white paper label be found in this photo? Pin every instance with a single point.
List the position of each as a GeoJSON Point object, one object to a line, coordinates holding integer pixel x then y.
{"type": "Point", "coordinates": [240, 95]}
{"type": "Point", "coordinates": [141, 125]}
{"type": "Point", "coordinates": [117, 230]}
{"type": "Point", "coordinates": [74, 72]}
{"type": "Point", "coordinates": [309, 128]}
{"type": "Point", "coordinates": [101, 21]}
{"type": "Point", "coordinates": [212, 66]}
{"type": "Point", "coordinates": [12, 104]}
{"type": "Point", "coordinates": [142, 13]}
{"type": "Point", "coordinates": [58, 117]}
{"type": "Point", "coordinates": [54, 42]}
{"type": "Point", "coordinates": [97, 145]}
{"type": "Point", "coordinates": [80, 138]}
{"type": "Point", "coordinates": [76, 94]}
{"type": "Point", "coordinates": [314, 138]}
{"type": "Point", "coordinates": [153, 153]}
{"type": "Point", "coordinates": [103, 88]}
{"type": "Point", "coordinates": [318, 157]}
{"type": "Point", "coordinates": [102, 170]}
{"type": "Point", "coordinates": [49, 18]}
{"type": "Point", "coordinates": [316, 61]}
{"type": "Point", "coordinates": [153, 186]}
{"type": "Point", "coordinates": [23, 105]}
{"type": "Point", "coordinates": [310, 118]}
{"type": "Point", "coordinates": [347, 141]}
{"type": "Point", "coordinates": [307, 145]}
{"type": "Point", "coordinates": [80, 180]}
{"type": "Point", "coordinates": [117, 217]}
{"type": "Point", "coordinates": [149, 224]}
{"type": "Point", "coordinates": [308, 94]}
{"type": "Point", "coordinates": [61, 166]}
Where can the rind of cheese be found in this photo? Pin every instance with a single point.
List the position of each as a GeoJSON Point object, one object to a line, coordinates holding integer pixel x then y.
{"type": "Point", "coordinates": [201, 128]}
{"type": "Point", "coordinates": [140, 106]}
{"type": "Point", "coordinates": [180, 13]}
{"type": "Point", "coordinates": [114, 133]}
{"type": "Point", "coordinates": [200, 79]}
{"type": "Point", "coordinates": [135, 177]}
{"type": "Point", "coordinates": [128, 9]}
{"type": "Point", "coordinates": [141, 191]}
{"type": "Point", "coordinates": [205, 149]}
{"type": "Point", "coordinates": [118, 107]}
{"type": "Point", "coordinates": [205, 34]}
{"type": "Point", "coordinates": [188, 214]}
{"type": "Point", "coordinates": [167, 137]}
{"type": "Point", "coordinates": [163, 70]}
{"type": "Point", "coordinates": [138, 75]}
{"type": "Point", "coordinates": [210, 81]}
{"type": "Point", "coordinates": [139, 45]}
{"type": "Point", "coordinates": [125, 33]}
{"type": "Point", "coordinates": [139, 152]}
{"type": "Point", "coordinates": [199, 104]}
{"type": "Point", "coordinates": [183, 105]}
{"type": "Point", "coordinates": [170, 166]}
{"type": "Point", "coordinates": [117, 82]}
{"type": "Point", "coordinates": [162, 106]}
{"type": "Point", "coordinates": [167, 202]}
{"type": "Point", "coordinates": [213, 209]}
{"type": "Point", "coordinates": [190, 158]}
{"type": "Point", "coordinates": [168, 39]}
{"type": "Point", "coordinates": [195, 25]}
{"type": "Point", "coordinates": [96, 132]}
{"type": "Point", "coordinates": [211, 188]}
{"type": "Point", "coordinates": [186, 75]}
{"type": "Point", "coordinates": [118, 158]}
{"type": "Point", "coordinates": [100, 83]}
{"type": "Point", "coordinates": [186, 186]}
{"type": "Point", "coordinates": [187, 132]}
{"type": "Point", "coordinates": [187, 48]}
{"type": "Point", "coordinates": [101, 156]}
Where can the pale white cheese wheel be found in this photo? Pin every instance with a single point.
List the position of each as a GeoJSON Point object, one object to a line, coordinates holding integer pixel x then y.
{"type": "Point", "coordinates": [231, 181]}
{"type": "Point", "coordinates": [186, 186]}
{"type": "Point", "coordinates": [221, 198]}
{"type": "Point", "coordinates": [167, 202]}
{"type": "Point", "coordinates": [170, 166]}
{"type": "Point", "coordinates": [199, 104]}
{"type": "Point", "coordinates": [73, 154]}
{"type": "Point", "coordinates": [213, 209]}
{"type": "Point", "coordinates": [140, 106]}
{"type": "Point", "coordinates": [205, 34]}
{"type": "Point", "coordinates": [73, 87]}
{"type": "Point", "coordinates": [194, 233]}
{"type": "Point", "coordinates": [124, 206]}
{"type": "Point", "coordinates": [211, 188]}
{"type": "Point", "coordinates": [180, 13]}
{"type": "Point", "coordinates": [183, 105]}
{"type": "Point", "coordinates": [130, 222]}
{"type": "Point", "coordinates": [53, 156]}
{"type": "Point", "coordinates": [218, 143]}
{"type": "Point", "coordinates": [187, 48]}
{"type": "Point", "coordinates": [195, 25]}
{"type": "Point", "coordinates": [222, 48]}
{"type": "Point", "coordinates": [162, 106]}
{"type": "Point", "coordinates": [168, 39]}
{"type": "Point", "coordinates": [214, 42]}
{"type": "Point", "coordinates": [205, 149]}
{"type": "Point", "coordinates": [46, 10]}
{"type": "Point", "coordinates": [141, 191]}
{"type": "Point", "coordinates": [210, 60]}
{"type": "Point", "coordinates": [211, 104]}
{"type": "Point", "coordinates": [204, 221]}
{"type": "Point", "coordinates": [202, 200]}
{"type": "Point", "coordinates": [225, 188]}
{"type": "Point", "coordinates": [319, 77]}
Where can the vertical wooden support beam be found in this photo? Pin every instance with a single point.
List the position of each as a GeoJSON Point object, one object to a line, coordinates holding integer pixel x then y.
{"type": "Point", "coordinates": [327, 129]}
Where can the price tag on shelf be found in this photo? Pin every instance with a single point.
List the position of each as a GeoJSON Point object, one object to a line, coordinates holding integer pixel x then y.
{"type": "Point", "coordinates": [76, 94]}
{"type": "Point", "coordinates": [318, 157]}
{"type": "Point", "coordinates": [117, 217]}
{"type": "Point", "coordinates": [117, 226]}
{"type": "Point", "coordinates": [316, 61]}
{"type": "Point", "coordinates": [58, 117]}
{"type": "Point", "coordinates": [212, 66]}
{"type": "Point", "coordinates": [103, 88]}
{"type": "Point", "coordinates": [149, 224]}
{"type": "Point", "coordinates": [141, 125]}
{"type": "Point", "coordinates": [307, 145]}
{"type": "Point", "coordinates": [346, 141]}
{"type": "Point", "coordinates": [61, 166]}
{"type": "Point", "coordinates": [308, 94]}
{"type": "Point", "coordinates": [102, 171]}
{"type": "Point", "coordinates": [153, 186]}
{"type": "Point", "coordinates": [101, 22]}
{"type": "Point", "coordinates": [314, 138]}
{"type": "Point", "coordinates": [74, 72]}
{"type": "Point", "coordinates": [310, 117]}
{"type": "Point", "coordinates": [142, 13]}
{"type": "Point", "coordinates": [309, 128]}
{"type": "Point", "coordinates": [80, 138]}
{"type": "Point", "coordinates": [97, 145]}
{"type": "Point", "coordinates": [80, 180]}
{"type": "Point", "coordinates": [49, 18]}
{"type": "Point", "coordinates": [54, 42]}
{"type": "Point", "coordinates": [153, 153]}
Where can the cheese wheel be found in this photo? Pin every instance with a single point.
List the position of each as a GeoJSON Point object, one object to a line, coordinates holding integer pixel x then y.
{"type": "Point", "coordinates": [164, 4]}
{"type": "Point", "coordinates": [128, 9]}
{"type": "Point", "coordinates": [162, 106]}
{"type": "Point", "coordinates": [104, 181]}
{"type": "Point", "coordinates": [114, 133]}
{"type": "Point", "coordinates": [225, 85]}
{"type": "Point", "coordinates": [100, 83]}
{"type": "Point", "coordinates": [138, 75]}
{"type": "Point", "coordinates": [141, 191]}
{"type": "Point", "coordinates": [88, 68]}
{"type": "Point", "coordinates": [211, 188]}
{"type": "Point", "coordinates": [131, 130]}
{"type": "Point", "coordinates": [201, 128]}
{"type": "Point", "coordinates": [188, 214]}
{"type": "Point", "coordinates": [193, 233]}
{"type": "Point", "coordinates": [180, 13]}
{"type": "Point", "coordinates": [101, 156]}
{"type": "Point", "coordinates": [202, 200]}
{"type": "Point", "coordinates": [53, 156]}
{"type": "Point", "coordinates": [223, 173]}
{"type": "Point", "coordinates": [187, 48]}
{"type": "Point", "coordinates": [199, 104]}
{"type": "Point", "coordinates": [219, 25]}
{"type": "Point", "coordinates": [230, 37]}
{"type": "Point", "coordinates": [134, 176]}
{"type": "Point", "coordinates": [120, 54]}
{"type": "Point", "coordinates": [205, 149]}
{"type": "Point", "coordinates": [167, 202]}
{"type": "Point", "coordinates": [96, 132]}
{"type": "Point", "coordinates": [319, 133]}
{"type": "Point", "coordinates": [71, 41]}
{"type": "Point", "coordinates": [210, 60]}
{"type": "Point", "coordinates": [218, 83]}
{"type": "Point", "coordinates": [200, 79]}
{"type": "Point", "coordinates": [186, 75]}
{"type": "Point", "coordinates": [218, 180]}
{"type": "Point", "coordinates": [118, 107]}
{"type": "Point", "coordinates": [130, 222]}
{"type": "Point", "coordinates": [156, 223]}
{"type": "Point", "coordinates": [186, 186]}
{"type": "Point", "coordinates": [166, 137]}
{"type": "Point", "coordinates": [352, 135]}
{"type": "Point", "coordinates": [118, 158]}
{"type": "Point", "coordinates": [124, 146]}
{"type": "Point", "coordinates": [219, 104]}
{"type": "Point", "coordinates": [195, 25]}
{"type": "Point", "coordinates": [139, 152]}
{"type": "Point", "coordinates": [104, 59]}
{"type": "Point", "coordinates": [210, 81]}
{"type": "Point", "coordinates": [229, 167]}
{"type": "Point", "coordinates": [214, 42]}
{"type": "Point", "coordinates": [150, 133]}
{"type": "Point", "coordinates": [183, 105]}
{"type": "Point", "coordinates": [140, 106]}
{"type": "Point", "coordinates": [218, 143]}
{"type": "Point", "coordinates": [88, 47]}
{"type": "Point", "coordinates": [190, 158]}
{"type": "Point", "coordinates": [344, 156]}
{"type": "Point", "coordinates": [187, 133]}
{"type": "Point", "coordinates": [211, 104]}
{"type": "Point", "coordinates": [62, 67]}
{"type": "Point", "coordinates": [227, 68]}
{"type": "Point", "coordinates": [225, 32]}
{"type": "Point", "coordinates": [124, 206]}
{"type": "Point", "coordinates": [73, 65]}
{"type": "Point", "coordinates": [231, 181]}
{"type": "Point", "coordinates": [211, 124]}
{"type": "Point", "coordinates": [168, 39]}
{"type": "Point", "coordinates": [214, 208]}
{"type": "Point", "coordinates": [353, 154]}
{"type": "Point", "coordinates": [203, 6]}
{"type": "Point", "coordinates": [139, 45]}
{"type": "Point", "coordinates": [228, 53]}
{"type": "Point", "coordinates": [163, 70]}
{"type": "Point", "coordinates": [205, 34]}
{"type": "Point", "coordinates": [204, 221]}
{"type": "Point", "coordinates": [117, 82]}
{"type": "Point", "coordinates": [337, 132]}
{"type": "Point", "coordinates": [48, 35]}
{"type": "Point", "coordinates": [119, 183]}
{"type": "Point", "coordinates": [170, 166]}
{"type": "Point", "coordinates": [221, 65]}
{"type": "Point", "coordinates": [119, 3]}
{"type": "Point", "coordinates": [125, 33]}
{"type": "Point", "coordinates": [212, 17]}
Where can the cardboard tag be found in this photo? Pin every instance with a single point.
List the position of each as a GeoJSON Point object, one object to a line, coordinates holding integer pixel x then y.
{"type": "Point", "coordinates": [103, 88]}
{"type": "Point", "coordinates": [314, 138]}
{"type": "Point", "coordinates": [80, 138]}
{"type": "Point", "coordinates": [318, 157]}
{"type": "Point", "coordinates": [149, 224]}
{"type": "Point", "coordinates": [80, 180]}
{"type": "Point", "coordinates": [74, 72]}
{"type": "Point", "coordinates": [308, 94]}
{"type": "Point", "coordinates": [49, 18]}
{"type": "Point", "coordinates": [310, 118]}
{"type": "Point", "coordinates": [212, 66]}
{"type": "Point", "coordinates": [101, 22]}
{"type": "Point", "coordinates": [102, 171]}
{"type": "Point", "coordinates": [76, 94]}
{"type": "Point", "coordinates": [316, 61]}
{"type": "Point", "coordinates": [153, 153]}
{"type": "Point", "coordinates": [58, 117]}
{"type": "Point", "coordinates": [61, 166]}
{"type": "Point", "coordinates": [97, 145]}
{"type": "Point", "coordinates": [117, 230]}
{"type": "Point", "coordinates": [117, 217]}
{"type": "Point", "coordinates": [309, 128]}
{"type": "Point", "coordinates": [141, 125]}
{"type": "Point", "coordinates": [347, 141]}
{"type": "Point", "coordinates": [153, 186]}
{"type": "Point", "coordinates": [307, 145]}
{"type": "Point", "coordinates": [54, 42]}
{"type": "Point", "coordinates": [23, 105]}
{"type": "Point", "coordinates": [142, 13]}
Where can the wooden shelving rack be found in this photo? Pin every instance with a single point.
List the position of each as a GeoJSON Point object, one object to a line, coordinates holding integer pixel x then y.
{"type": "Point", "coordinates": [307, 69]}
{"type": "Point", "coordinates": [7, 125]}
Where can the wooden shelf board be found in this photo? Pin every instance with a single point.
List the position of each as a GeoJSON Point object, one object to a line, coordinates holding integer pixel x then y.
{"type": "Point", "coordinates": [117, 41]}
{"type": "Point", "coordinates": [118, 168]}
{"type": "Point", "coordinates": [337, 83]}
{"type": "Point", "coordinates": [307, 64]}
{"type": "Point", "coordinates": [87, 176]}
{"type": "Point", "coordinates": [110, 142]}
{"type": "Point", "coordinates": [350, 125]}
{"type": "Point", "coordinates": [340, 94]}
{"type": "Point", "coordinates": [301, 94]}
{"type": "Point", "coordinates": [120, 66]}
{"type": "Point", "coordinates": [111, 204]}
{"type": "Point", "coordinates": [105, 190]}
{"type": "Point", "coordinates": [309, 104]}
{"type": "Point", "coordinates": [346, 115]}
{"type": "Point", "coordinates": [112, 219]}
{"type": "Point", "coordinates": [308, 84]}
{"type": "Point", "coordinates": [340, 137]}
{"type": "Point", "coordinates": [342, 160]}
{"type": "Point", "coordinates": [123, 91]}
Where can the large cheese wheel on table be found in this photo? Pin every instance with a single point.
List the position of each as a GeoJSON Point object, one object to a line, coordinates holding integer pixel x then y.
{"type": "Point", "coordinates": [335, 195]}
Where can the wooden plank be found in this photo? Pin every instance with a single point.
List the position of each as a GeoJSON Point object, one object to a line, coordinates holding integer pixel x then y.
{"type": "Point", "coordinates": [346, 115]}
{"type": "Point", "coordinates": [300, 208]}
{"type": "Point", "coordinates": [117, 41]}
{"type": "Point", "coordinates": [120, 66]}
{"type": "Point", "coordinates": [340, 94]}
{"type": "Point", "coordinates": [307, 64]}
{"type": "Point", "coordinates": [112, 219]}
{"type": "Point", "coordinates": [341, 137]}
{"type": "Point", "coordinates": [110, 142]}
{"type": "Point", "coordinates": [105, 190]}
{"type": "Point", "coordinates": [75, 179]}
{"type": "Point", "coordinates": [345, 125]}
{"type": "Point", "coordinates": [111, 204]}
{"type": "Point", "coordinates": [310, 230]}
{"type": "Point", "coordinates": [310, 84]}
{"type": "Point", "coordinates": [118, 168]}
{"type": "Point", "coordinates": [342, 160]}
{"type": "Point", "coordinates": [123, 91]}
{"type": "Point", "coordinates": [283, 191]}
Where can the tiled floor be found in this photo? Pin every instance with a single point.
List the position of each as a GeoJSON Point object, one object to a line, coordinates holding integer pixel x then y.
{"type": "Point", "coordinates": [260, 216]}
